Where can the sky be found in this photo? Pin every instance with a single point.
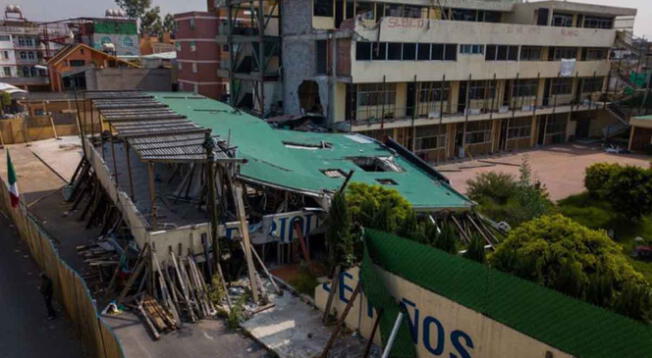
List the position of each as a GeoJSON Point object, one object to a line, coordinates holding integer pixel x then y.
{"type": "Point", "coordinates": [45, 10]}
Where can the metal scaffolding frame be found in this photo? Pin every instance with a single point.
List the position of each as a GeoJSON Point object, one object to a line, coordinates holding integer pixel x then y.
{"type": "Point", "coordinates": [251, 49]}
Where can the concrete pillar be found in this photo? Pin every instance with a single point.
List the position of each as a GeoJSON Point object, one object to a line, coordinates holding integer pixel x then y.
{"type": "Point", "coordinates": [631, 138]}
{"type": "Point", "coordinates": [454, 96]}
{"type": "Point", "coordinates": [533, 131]}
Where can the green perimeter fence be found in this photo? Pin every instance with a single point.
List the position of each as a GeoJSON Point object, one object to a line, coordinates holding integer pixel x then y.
{"type": "Point", "coordinates": [70, 289]}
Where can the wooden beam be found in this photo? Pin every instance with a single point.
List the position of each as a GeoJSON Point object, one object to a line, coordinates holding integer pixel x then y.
{"type": "Point", "coordinates": [244, 233]}
{"type": "Point", "coordinates": [152, 194]}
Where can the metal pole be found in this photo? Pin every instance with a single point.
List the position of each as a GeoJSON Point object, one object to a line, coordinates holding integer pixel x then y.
{"type": "Point", "coordinates": [152, 194]}
{"type": "Point", "coordinates": [131, 180]}
{"type": "Point", "coordinates": [382, 115]}
{"type": "Point", "coordinates": [414, 114]}
{"type": "Point", "coordinates": [466, 113]}
{"type": "Point", "coordinates": [392, 335]}
{"type": "Point", "coordinates": [115, 166]}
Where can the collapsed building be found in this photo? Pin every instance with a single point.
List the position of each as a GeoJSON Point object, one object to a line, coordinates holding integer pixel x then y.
{"type": "Point", "coordinates": [184, 177]}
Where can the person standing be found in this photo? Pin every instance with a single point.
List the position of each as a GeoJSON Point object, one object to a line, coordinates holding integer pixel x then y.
{"type": "Point", "coordinates": [47, 292]}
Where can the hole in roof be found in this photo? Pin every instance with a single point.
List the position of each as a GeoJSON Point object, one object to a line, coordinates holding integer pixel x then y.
{"type": "Point", "coordinates": [308, 146]}
{"type": "Point", "coordinates": [377, 164]}
{"type": "Point", "coordinates": [333, 173]}
{"type": "Point", "coordinates": [386, 181]}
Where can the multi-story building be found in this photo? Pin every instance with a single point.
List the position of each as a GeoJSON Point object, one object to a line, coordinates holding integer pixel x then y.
{"type": "Point", "coordinates": [21, 52]}
{"type": "Point", "coordinates": [115, 34]}
{"type": "Point", "coordinates": [199, 54]}
{"type": "Point", "coordinates": [446, 80]}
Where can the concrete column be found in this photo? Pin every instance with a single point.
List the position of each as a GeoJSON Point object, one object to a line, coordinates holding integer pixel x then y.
{"type": "Point", "coordinates": [631, 138]}
{"type": "Point", "coordinates": [533, 131]}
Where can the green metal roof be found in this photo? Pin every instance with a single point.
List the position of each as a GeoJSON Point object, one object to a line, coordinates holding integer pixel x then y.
{"type": "Point", "coordinates": [568, 324]}
{"type": "Point", "coordinates": [273, 162]}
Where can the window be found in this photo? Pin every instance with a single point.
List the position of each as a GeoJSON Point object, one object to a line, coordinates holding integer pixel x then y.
{"type": "Point", "coordinates": [501, 53]}
{"type": "Point", "coordinates": [77, 63]}
{"type": "Point", "coordinates": [526, 88]}
{"type": "Point", "coordinates": [323, 8]}
{"type": "Point", "coordinates": [322, 56]}
{"type": "Point", "coordinates": [450, 52]}
{"type": "Point", "coordinates": [531, 53]}
{"type": "Point", "coordinates": [423, 52]}
{"type": "Point", "coordinates": [478, 132]}
{"type": "Point", "coordinates": [431, 137]}
{"type": "Point", "coordinates": [193, 46]}
{"type": "Point", "coordinates": [5, 38]}
{"type": "Point", "coordinates": [377, 164]}
{"type": "Point", "coordinates": [194, 67]}
{"type": "Point", "coordinates": [406, 51]}
{"type": "Point", "coordinates": [308, 146]}
{"type": "Point", "coordinates": [597, 22]}
{"type": "Point", "coordinates": [5, 55]}
{"type": "Point", "coordinates": [384, 181]}
{"type": "Point", "coordinates": [25, 71]}
{"type": "Point", "coordinates": [562, 20]}
{"type": "Point", "coordinates": [180, 65]}
{"type": "Point", "coordinates": [399, 10]}
{"type": "Point", "coordinates": [556, 125]}
{"type": "Point", "coordinates": [565, 52]}
{"type": "Point", "coordinates": [482, 90]}
{"type": "Point", "coordinates": [492, 16]}
{"type": "Point", "coordinates": [594, 54]}
{"type": "Point", "coordinates": [433, 91]}
{"type": "Point", "coordinates": [463, 15]}
{"type": "Point", "coordinates": [376, 94]}
{"type": "Point", "coordinates": [409, 51]}
{"type": "Point", "coordinates": [519, 128]}
{"type": "Point", "coordinates": [192, 23]}
{"type": "Point", "coordinates": [379, 51]}
{"type": "Point", "coordinates": [334, 173]}
{"type": "Point", "coordinates": [561, 86]}
{"type": "Point", "coordinates": [30, 55]}
{"type": "Point", "coordinates": [592, 84]}
{"type": "Point", "coordinates": [366, 9]}
{"type": "Point", "coordinates": [363, 51]}
{"type": "Point", "coordinates": [472, 49]}
{"type": "Point", "coordinates": [437, 52]}
{"type": "Point", "coordinates": [23, 55]}
{"type": "Point", "coordinates": [394, 51]}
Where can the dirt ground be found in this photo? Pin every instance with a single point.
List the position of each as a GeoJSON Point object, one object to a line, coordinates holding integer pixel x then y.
{"type": "Point", "coordinates": [560, 168]}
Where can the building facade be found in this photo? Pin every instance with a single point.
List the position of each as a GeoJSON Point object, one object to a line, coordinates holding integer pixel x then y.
{"type": "Point", "coordinates": [446, 80]}
{"type": "Point", "coordinates": [199, 55]}
{"type": "Point", "coordinates": [22, 55]}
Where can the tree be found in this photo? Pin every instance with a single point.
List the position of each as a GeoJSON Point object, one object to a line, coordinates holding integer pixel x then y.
{"type": "Point", "coordinates": [169, 25]}
{"type": "Point", "coordinates": [495, 186]}
{"type": "Point", "coordinates": [559, 253]}
{"type": "Point", "coordinates": [134, 8]}
{"type": "Point", "coordinates": [597, 176]}
{"type": "Point", "coordinates": [504, 198]}
{"type": "Point", "coordinates": [338, 233]}
{"type": "Point", "coordinates": [150, 22]}
{"type": "Point", "coordinates": [5, 101]}
{"type": "Point", "coordinates": [377, 207]}
{"type": "Point", "coordinates": [629, 190]}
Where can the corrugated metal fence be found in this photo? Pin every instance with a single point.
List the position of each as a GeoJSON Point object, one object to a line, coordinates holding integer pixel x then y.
{"type": "Point", "coordinates": [69, 288]}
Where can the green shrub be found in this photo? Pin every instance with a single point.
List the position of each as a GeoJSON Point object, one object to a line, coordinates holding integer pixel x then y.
{"type": "Point", "coordinates": [589, 216]}
{"type": "Point", "coordinates": [629, 191]}
{"type": "Point", "coordinates": [370, 204]}
{"type": "Point", "coordinates": [597, 176]}
{"type": "Point", "coordinates": [475, 251]}
{"type": "Point", "coordinates": [495, 186]}
{"type": "Point", "coordinates": [561, 254]}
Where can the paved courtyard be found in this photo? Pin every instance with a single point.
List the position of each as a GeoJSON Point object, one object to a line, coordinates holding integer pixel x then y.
{"type": "Point", "coordinates": [560, 167]}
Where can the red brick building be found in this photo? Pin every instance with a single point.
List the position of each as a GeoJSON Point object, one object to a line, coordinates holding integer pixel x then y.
{"type": "Point", "coordinates": [199, 54]}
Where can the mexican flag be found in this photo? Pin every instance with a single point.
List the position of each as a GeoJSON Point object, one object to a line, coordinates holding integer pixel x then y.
{"type": "Point", "coordinates": [13, 187]}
